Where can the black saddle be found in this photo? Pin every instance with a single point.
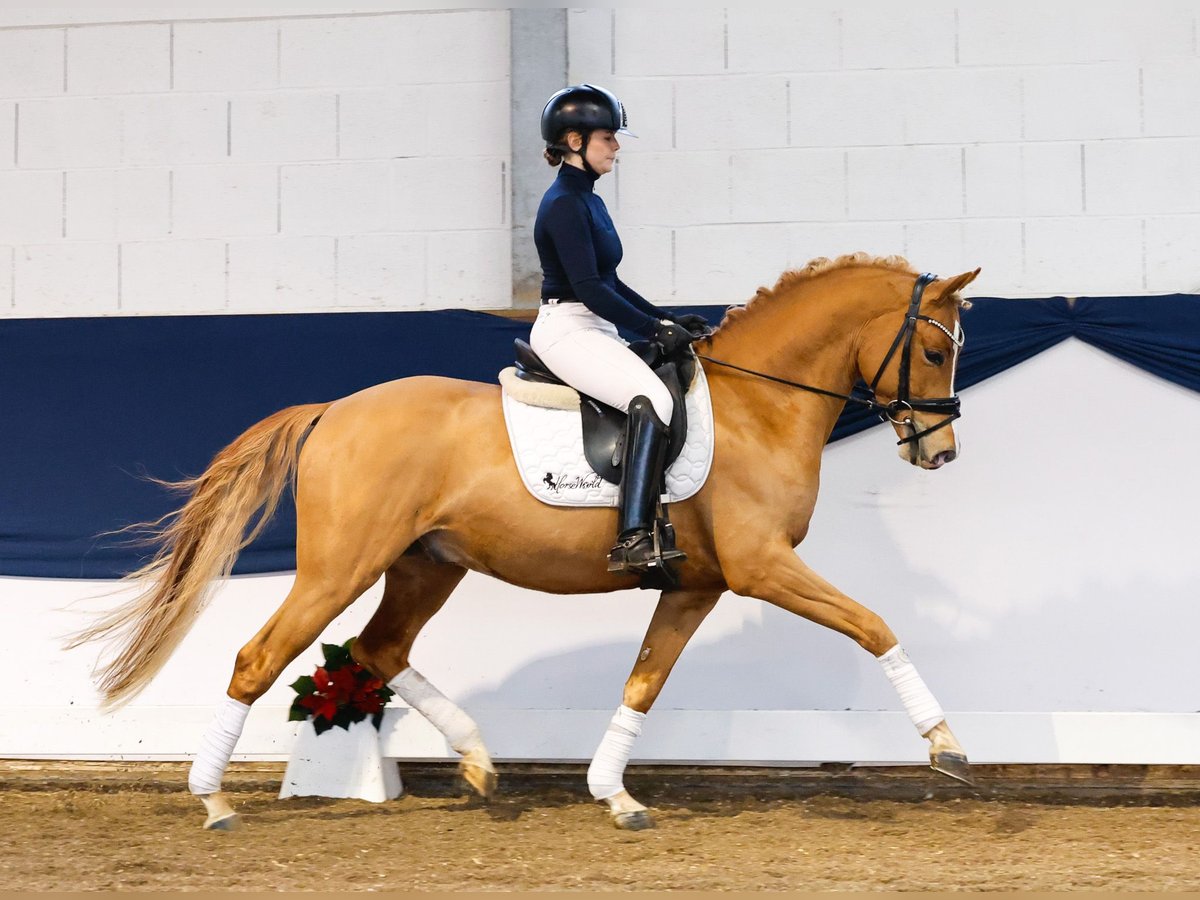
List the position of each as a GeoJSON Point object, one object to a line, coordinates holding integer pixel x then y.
{"type": "Point", "coordinates": [604, 426]}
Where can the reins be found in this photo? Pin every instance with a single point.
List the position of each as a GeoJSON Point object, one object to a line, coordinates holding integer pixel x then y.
{"type": "Point", "coordinates": [949, 406]}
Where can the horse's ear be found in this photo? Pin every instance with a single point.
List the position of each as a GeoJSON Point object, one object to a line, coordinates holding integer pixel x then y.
{"type": "Point", "coordinates": [951, 286]}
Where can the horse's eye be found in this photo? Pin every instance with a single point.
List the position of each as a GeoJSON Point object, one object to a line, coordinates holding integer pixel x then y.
{"type": "Point", "coordinates": [937, 357]}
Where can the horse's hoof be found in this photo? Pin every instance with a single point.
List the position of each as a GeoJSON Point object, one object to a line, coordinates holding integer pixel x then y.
{"type": "Point", "coordinates": [228, 822]}
{"type": "Point", "coordinates": [482, 781]}
{"type": "Point", "coordinates": [638, 820]}
{"type": "Point", "coordinates": [221, 816]}
{"type": "Point", "coordinates": [953, 764]}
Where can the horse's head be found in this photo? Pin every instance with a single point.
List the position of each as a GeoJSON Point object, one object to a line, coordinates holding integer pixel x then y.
{"type": "Point", "coordinates": [909, 358]}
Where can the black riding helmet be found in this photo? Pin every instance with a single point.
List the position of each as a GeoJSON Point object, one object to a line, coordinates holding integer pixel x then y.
{"type": "Point", "coordinates": [582, 108]}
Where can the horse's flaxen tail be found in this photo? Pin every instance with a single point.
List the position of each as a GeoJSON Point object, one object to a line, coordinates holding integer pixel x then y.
{"type": "Point", "coordinates": [197, 543]}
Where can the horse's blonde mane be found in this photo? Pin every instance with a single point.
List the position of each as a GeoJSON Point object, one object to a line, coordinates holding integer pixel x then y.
{"type": "Point", "coordinates": [812, 269]}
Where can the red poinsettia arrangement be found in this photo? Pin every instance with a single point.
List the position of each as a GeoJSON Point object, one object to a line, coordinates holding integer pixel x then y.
{"type": "Point", "coordinates": [341, 692]}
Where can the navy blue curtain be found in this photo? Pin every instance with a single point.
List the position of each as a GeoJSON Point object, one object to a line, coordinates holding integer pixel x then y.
{"type": "Point", "coordinates": [91, 406]}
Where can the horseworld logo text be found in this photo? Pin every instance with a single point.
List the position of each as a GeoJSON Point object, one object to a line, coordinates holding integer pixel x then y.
{"type": "Point", "coordinates": [558, 483]}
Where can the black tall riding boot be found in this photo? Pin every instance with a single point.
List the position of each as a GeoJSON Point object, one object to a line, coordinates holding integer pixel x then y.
{"type": "Point", "coordinates": [641, 485]}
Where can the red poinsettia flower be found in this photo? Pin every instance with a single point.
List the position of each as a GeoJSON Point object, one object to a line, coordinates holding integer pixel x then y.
{"type": "Point", "coordinates": [340, 692]}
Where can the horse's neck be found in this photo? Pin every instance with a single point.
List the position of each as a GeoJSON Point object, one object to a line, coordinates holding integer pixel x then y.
{"type": "Point", "coordinates": [808, 336]}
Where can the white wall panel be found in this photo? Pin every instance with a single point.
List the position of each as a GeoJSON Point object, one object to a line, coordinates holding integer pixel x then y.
{"type": "Point", "coordinates": [31, 207]}
{"type": "Point", "coordinates": [727, 263]}
{"type": "Point", "coordinates": [904, 182]}
{"type": "Point", "coordinates": [7, 262]}
{"type": "Point", "coordinates": [383, 122]}
{"type": "Point", "coordinates": [875, 37]}
{"type": "Point", "coordinates": [69, 133]}
{"type": "Point", "coordinates": [959, 105]}
{"type": "Point", "coordinates": [385, 271]}
{"type": "Point", "coordinates": [1132, 177]}
{"type": "Point", "coordinates": [117, 204]}
{"type": "Point", "coordinates": [730, 112]}
{"type": "Point", "coordinates": [796, 185]}
{"type": "Point", "coordinates": [1172, 249]}
{"type": "Point", "coordinates": [283, 127]}
{"type": "Point", "coordinates": [784, 38]}
{"type": "Point", "coordinates": [8, 135]}
{"type": "Point", "coordinates": [435, 193]}
{"type": "Point", "coordinates": [673, 188]}
{"type": "Point", "coordinates": [1171, 97]}
{"type": "Point", "coordinates": [174, 129]}
{"type": "Point", "coordinates": [176, 275]}
{"type": "Point", "coordinates": [118, 59]}
{"type": "Point", "coordinates": [281, 274]}
{"type": "Point", "coordinates": [846, 109]}
{"type": "Point", "coordinates": [31, 62]}
{"type": "Point", "coordinates": [335, 198]}
{"type": "Point", "coordinates": [327, 52]}
{"type": "Point", "coordinates": [469, 269]}
{"type": "Point", "coordinates": [1065, 256]}
{"type": "Point", "coordinates": [651, 41]}
{"type": "Point", "coordinates": [1028, 32]}
{"type": "Point", "coordinates": [225, 201]}
{"type": "Point", "coordinates": [1011, 179]}
{"type": "Point", "coordinates": [225, 56]}
{"type": "Point", "coordinates": [76, 279]}
{"type": "Point", "coordinates": [1072, 102]}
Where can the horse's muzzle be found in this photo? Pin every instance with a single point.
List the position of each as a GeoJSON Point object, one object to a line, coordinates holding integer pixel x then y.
{"type": "Point", "coordinates": [940, 459]}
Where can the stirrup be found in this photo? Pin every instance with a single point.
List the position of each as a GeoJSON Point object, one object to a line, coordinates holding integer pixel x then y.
{"type": "Point", "coordinates": [641, 552]}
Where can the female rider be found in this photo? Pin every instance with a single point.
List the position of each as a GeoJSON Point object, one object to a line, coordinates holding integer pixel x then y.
{"type": "Point", "coordinates": [583, 302]}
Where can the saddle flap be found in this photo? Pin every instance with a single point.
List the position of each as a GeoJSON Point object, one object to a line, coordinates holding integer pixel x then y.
{"type": "Point", "coordinates": [604, 426]}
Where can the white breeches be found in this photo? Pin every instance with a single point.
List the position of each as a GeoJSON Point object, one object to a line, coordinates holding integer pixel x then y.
{"type": "Point", "coordinates": [586, 352]}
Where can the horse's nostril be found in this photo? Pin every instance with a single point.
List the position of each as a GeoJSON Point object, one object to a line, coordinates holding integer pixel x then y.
{"type": "Point", "coordinates": [945, 456]}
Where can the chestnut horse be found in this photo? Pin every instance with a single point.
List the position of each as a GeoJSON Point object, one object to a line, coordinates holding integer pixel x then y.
{"type": "Point", "coordinates": [413, 480]}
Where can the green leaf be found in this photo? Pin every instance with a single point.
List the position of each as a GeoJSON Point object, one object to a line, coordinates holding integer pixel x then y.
{"type": "Point", "coordinates": [298, 713]}
{"type": "Point", "coordinates": [320, 726]}
{"type": "Point", "coordinates": [304, 685]}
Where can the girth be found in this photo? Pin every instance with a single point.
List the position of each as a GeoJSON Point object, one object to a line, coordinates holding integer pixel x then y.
{"type": "Point", "coordinates": [603, 425]}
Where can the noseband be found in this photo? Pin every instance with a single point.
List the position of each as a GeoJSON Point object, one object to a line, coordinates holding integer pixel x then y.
{"type": "Point", "coordinates": [897, 410]}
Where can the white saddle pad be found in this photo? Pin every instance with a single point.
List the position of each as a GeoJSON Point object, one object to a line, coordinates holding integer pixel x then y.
{"type": "Point", "coordinates": [548, 447]}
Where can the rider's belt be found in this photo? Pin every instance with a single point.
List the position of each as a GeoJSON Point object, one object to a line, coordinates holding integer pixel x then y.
{"type": "Point", "coordinates": [554, 301]}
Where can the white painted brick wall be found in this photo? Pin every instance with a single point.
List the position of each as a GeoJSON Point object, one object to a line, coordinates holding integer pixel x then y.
{"type": "Point", "coordinates": [225, 201]}
{"type": "Point", "coordinates": [6, 278]}
{"type": "Point", "coordinates": [271, 163]}
{"type": "Point", "coordinates": [31, 62]}
{"type": "Point", "coordinates": [174, 276]}
{"type": "Point", "coordinates": [225, 56]}
{"type": "Point", "coordinates": [69, 279]}
{"type": "Point", "coordinates": [385, 271]}
{"type": "Point", "coordinates": [32, 207]}
{"type": "Point", "coordinates": [118, 59]}
{"type": "Point", "coordinates": [336, 198]}
{"type": "Point", "coordinates": [117, 204]}
{"type": "Point", "coordinates": [1052, 144]}
{"type": "Point", "coordinates": [69, 133]}
{"type": "Point", "coordinates": [281, 274]}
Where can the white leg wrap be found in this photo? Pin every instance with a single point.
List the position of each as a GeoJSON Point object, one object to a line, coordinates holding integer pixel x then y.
{"type": "Point", "coordinates": [606, 774]}
{"type": "Point", "coordinates": [919, 703]}
{"type": "Point", "coordinates": [216, 747]}
{"type": "Point", "coordinates": [459, 728]}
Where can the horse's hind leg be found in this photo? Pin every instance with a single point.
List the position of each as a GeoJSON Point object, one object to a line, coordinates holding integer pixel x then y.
{"type": "Point", "coordinates": [310, 606]}
{"type": "Point", "coordinates": [675, 620]}
{"type": "Point", "coordinates": [414, 590]}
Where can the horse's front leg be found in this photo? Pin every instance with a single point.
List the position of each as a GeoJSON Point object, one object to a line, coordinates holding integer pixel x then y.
{"type": "Point", "coordinates": [675, 620]}
{"type": "Point", "coordinates": [779, 577]}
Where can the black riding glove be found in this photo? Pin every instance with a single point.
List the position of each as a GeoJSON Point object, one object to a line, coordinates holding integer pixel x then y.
{"type": "Point", "coordinates": [672, 337]}
{"type": "Point", "coordinates": [696, 324]}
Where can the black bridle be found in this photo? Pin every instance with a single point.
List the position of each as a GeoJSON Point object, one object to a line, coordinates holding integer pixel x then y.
{"type": "Point", "coordinates": [897, 410]}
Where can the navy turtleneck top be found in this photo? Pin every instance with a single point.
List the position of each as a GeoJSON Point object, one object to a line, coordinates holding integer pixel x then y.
{"type": "Point", "coordinates": [580, 250]}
